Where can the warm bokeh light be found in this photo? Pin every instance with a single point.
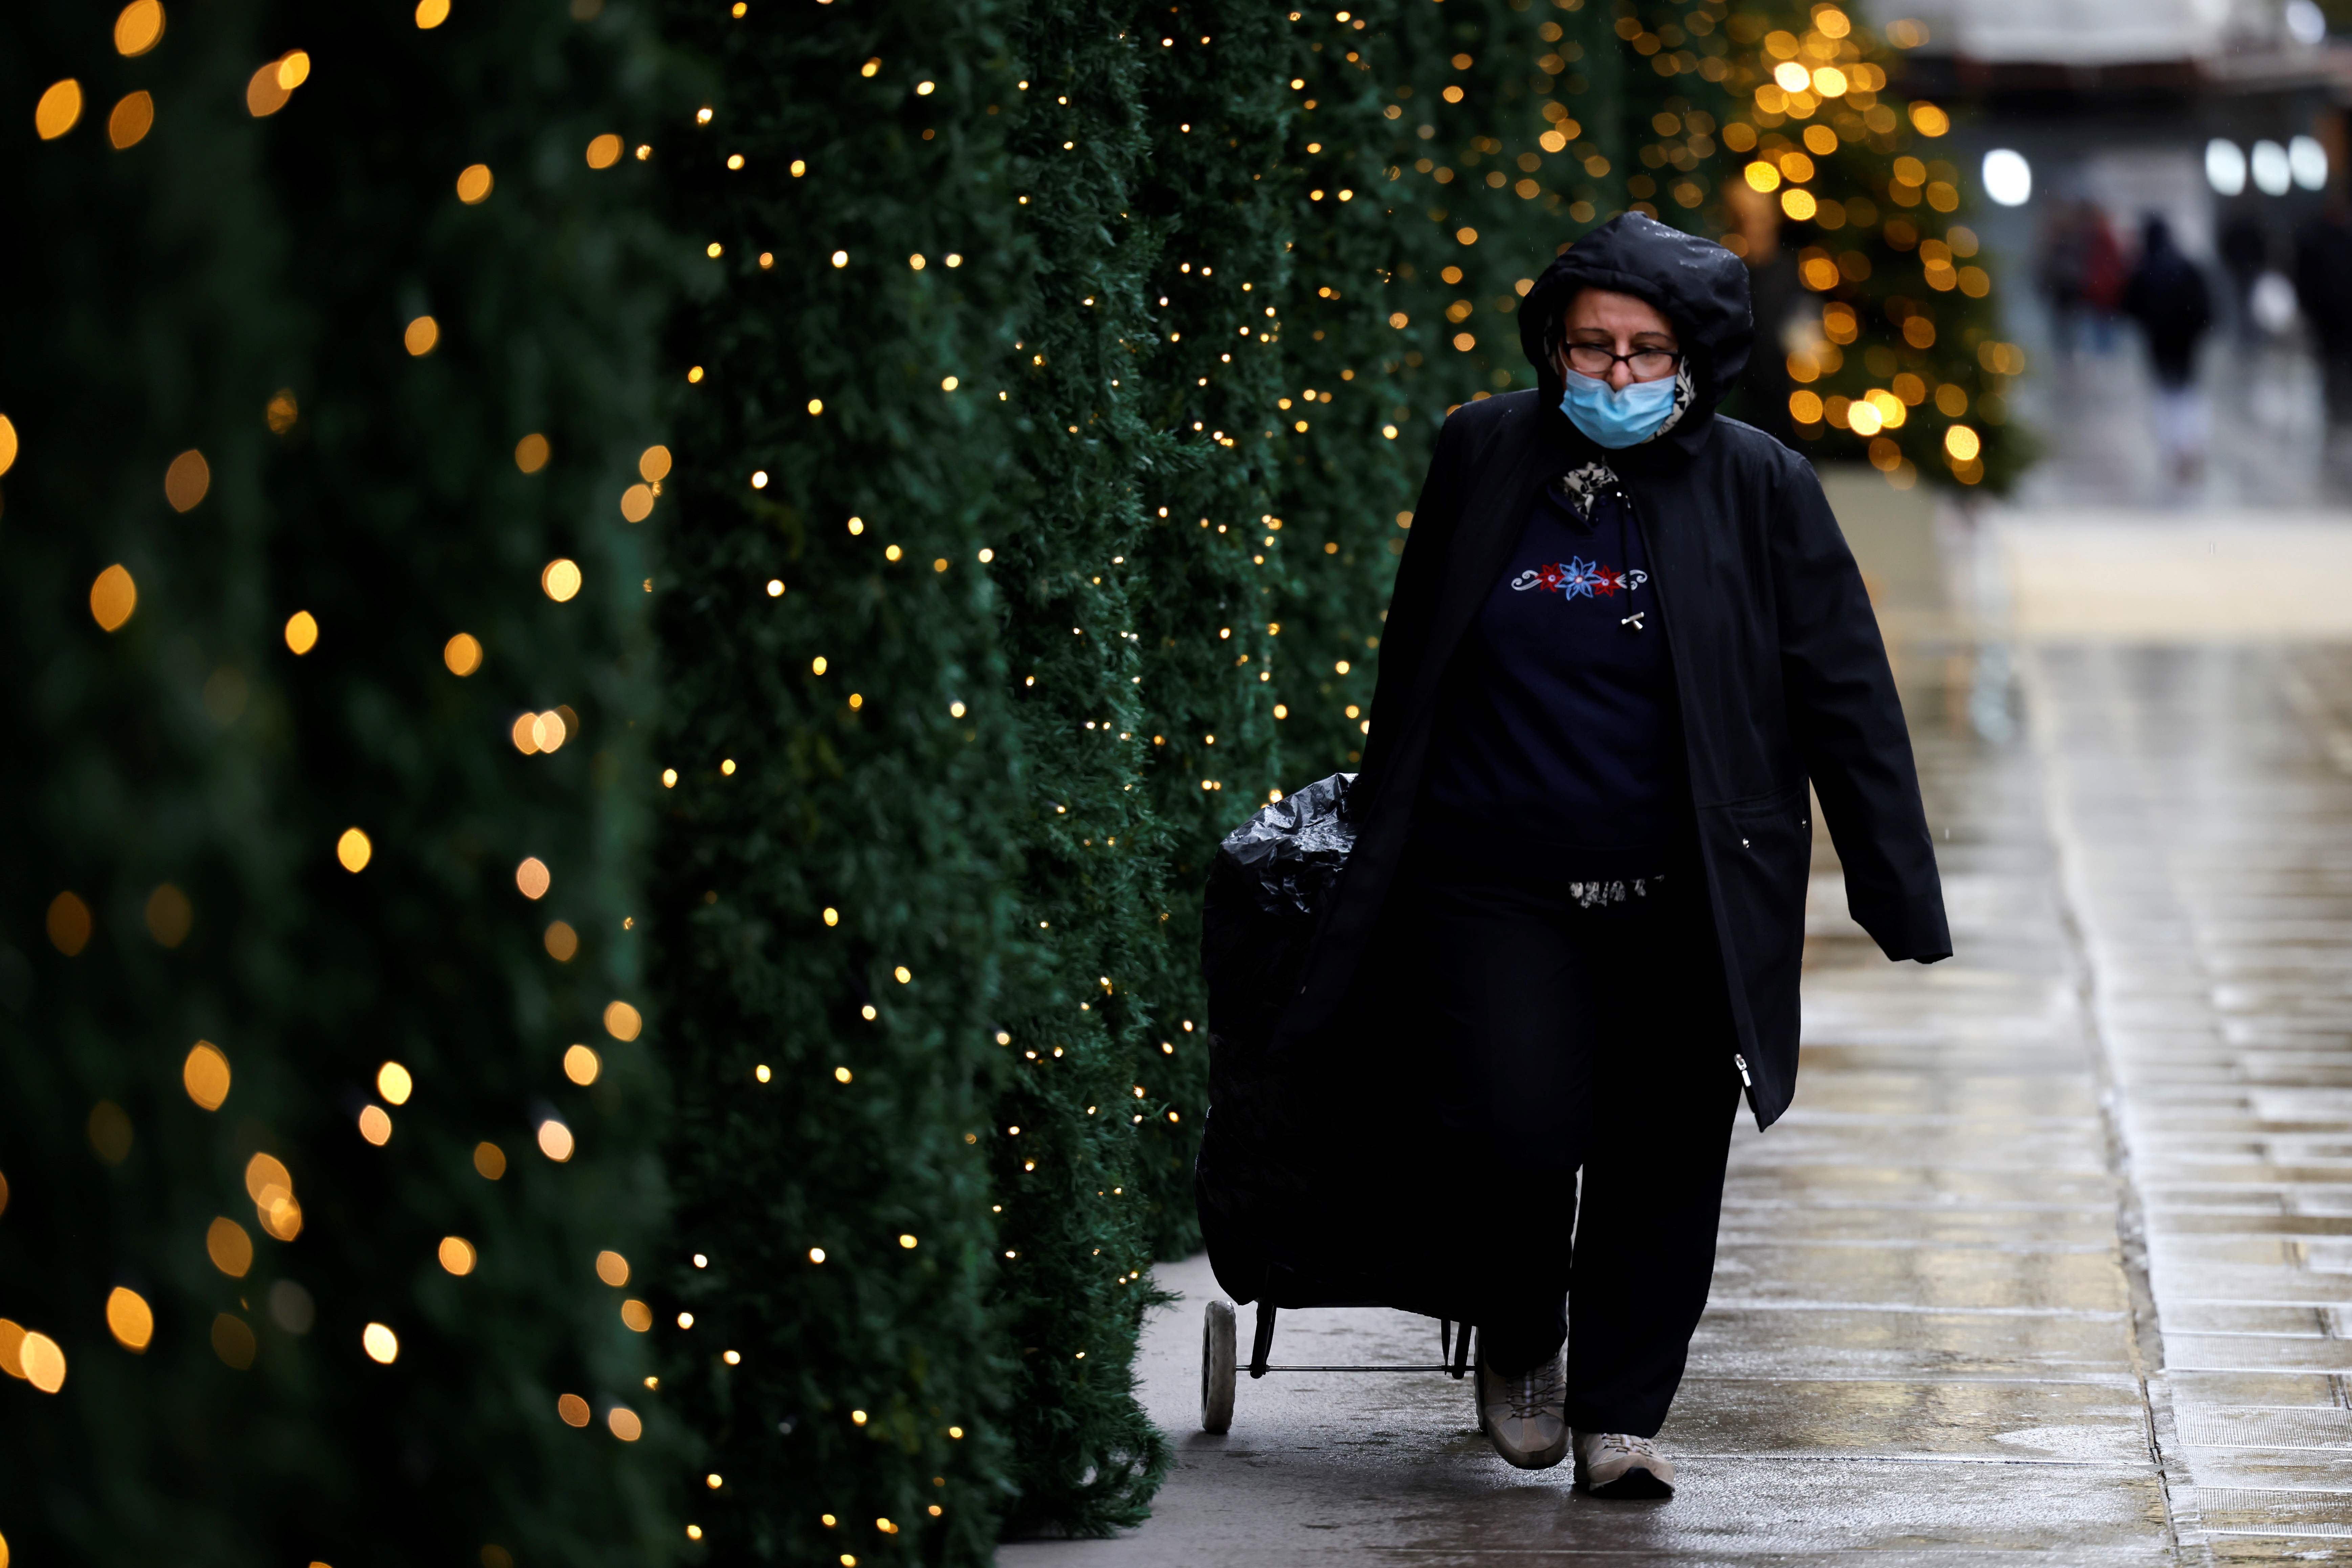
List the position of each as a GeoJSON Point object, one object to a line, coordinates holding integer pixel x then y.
{"type": "Point", "coordinates": [138, 28]}
{"type": "Point", "coordinates": [281, 1218]}
{"type": "Point", "coordinates": [169, 916]}
{"type": "Point", "coordinates": [532, 453]}
{"type": "Point", "coordinates": [462, 654]}
{"type": "Point", "coordinates": [187, 481]}
{"type": "Point", "coordinates": [233, 1341]}
{"type": "Point", "coordinates": [555, 1140]}
{"type": "Point", "coordinates": [654, 465]}
{"type": "Point", "coordinates": [302, 632]}
{"type": "Point", "coordinates": [613, 1269]}
{"type": "Point", "coordinates": [474, 184]}
{"type": "Point", "coordinates": [622, 1021]}
{"type": "Point", "coordinates": [431, 14]}
{"type": "Point", "coordinates": [265, 91]}
{"type": "Point", "coordinates": [1929, 120]}
{"type": "Point", "coordinates": [582, 1065]}
{"type": "Point", "coordinates": [457, 1254]}
{"type": "Point", "coordinates": [229, 1247]}
{"type": "Point", "coordinates": [7, 443]}
{"type": "Point", "coordinates": [1762, 175]}
{"type": "Point", "coordinates": [561, 941]}
{"type": "Point", "coordinates": [559, 579]}
{"type": "Point", "coordinates": [133, 119]}
{"type": "Point", "coordinates": [205, 1075]}
{"type": "Point", "coordinates": [266, 1178]}
{"type": "Point", "coordinates": [381, 1343]}
{"type": "Point", "coordinates": [394, 1082]}
{"type": "Point", "coordinates": [109, 1132]}
{"type": "Point", "coordinates": [59, 109]}
{"type": "Point", "coordinates": [489, 1161]}
{"type": "Point", "coordinates": [624, 1424]}
{"type": "Point", "coordinates": [43, 1361]}
{"type": "Point", "coordinates": [636, 1317]}
{"type": "Point", "coordinates": [68, 923]}
{"type": "Point", "coordinates": [420, 335]}
{"type": "Point", "coordinates": [532, 879]}
{"type": "Point", "coordinates": [375, 1124]}
{"type": "Point", "coordinates": [1962, 443]}
{"type": "Point", "coordinates": [636, 503]}
{"type": "Point", "coordinates": [573, 1410]}
{"type": "Point", "coordinates": [129, 1319]}
{"type": "Point", "coordinates": [603, 151]}
{"type": "Point", "coordinates": [354, 850]}
{"type": "Point", "coordinates": [1805, 407]}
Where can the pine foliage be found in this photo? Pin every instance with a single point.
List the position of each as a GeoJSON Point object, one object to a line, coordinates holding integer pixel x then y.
{"type": "Point", "coordinates": [269, 818]}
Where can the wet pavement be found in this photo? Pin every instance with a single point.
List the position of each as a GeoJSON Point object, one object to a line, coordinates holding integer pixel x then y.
{"type": "Point", "coordinates": [2052, 1257]}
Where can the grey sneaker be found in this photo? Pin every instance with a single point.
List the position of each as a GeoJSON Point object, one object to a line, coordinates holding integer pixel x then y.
{"type": "Point", "coordinates": [1525, 1417]}
{"type": "Point", "coordinates": [1611, 1465]}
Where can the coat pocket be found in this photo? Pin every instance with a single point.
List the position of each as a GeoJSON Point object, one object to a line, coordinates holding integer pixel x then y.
{"type": "Point", "coordinates": [1764, 858]}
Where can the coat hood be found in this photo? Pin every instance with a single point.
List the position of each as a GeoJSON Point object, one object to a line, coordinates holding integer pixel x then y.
{"type": "Point", "coordinates": [1697, 284]}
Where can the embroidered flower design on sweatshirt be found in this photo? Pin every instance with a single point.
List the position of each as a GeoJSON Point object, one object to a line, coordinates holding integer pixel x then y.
{"type": "Point", "coordinates": [1579, 579]}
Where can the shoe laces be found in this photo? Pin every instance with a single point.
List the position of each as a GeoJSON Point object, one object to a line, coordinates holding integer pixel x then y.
{"type": "Point", "coordinates": [1619, 1443]}
{"type": "Point", "coordinates": [1532, 1394]}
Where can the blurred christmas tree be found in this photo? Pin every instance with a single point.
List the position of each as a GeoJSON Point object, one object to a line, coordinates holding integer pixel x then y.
{"type": "Point", "coordinates": [1781, 129]}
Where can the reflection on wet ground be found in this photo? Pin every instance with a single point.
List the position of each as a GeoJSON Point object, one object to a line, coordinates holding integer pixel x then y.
{"type": "Point", "coordinates": [2053, 1259]}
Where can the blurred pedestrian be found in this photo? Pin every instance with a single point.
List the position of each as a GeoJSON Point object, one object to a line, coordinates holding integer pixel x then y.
{"type": "Point", "coordinates": [2244, 248]}
{"type": "Point", "coordinates": [2082, 273]}
{"type": "Point", "coordinates": [2168, 297]}
{"type": "Point", "coordinates": [2322, 280]}
{"type": "Point", "coordinates": [1625, 636]}
{"type": "Point", "coordinates": [2104, 274]}
{"type": "Point", "coordinates": [1778, 292]}
{"type": "Point", "coordinates": [2059, 270]}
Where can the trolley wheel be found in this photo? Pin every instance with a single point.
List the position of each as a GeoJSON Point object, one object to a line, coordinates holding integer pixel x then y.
{"type": "Point", "coordinates": [1218, 1367]}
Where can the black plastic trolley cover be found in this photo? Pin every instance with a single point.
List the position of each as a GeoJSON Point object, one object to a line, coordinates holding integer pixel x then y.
{"type": "Point", "coordinates": [1317, 1183]}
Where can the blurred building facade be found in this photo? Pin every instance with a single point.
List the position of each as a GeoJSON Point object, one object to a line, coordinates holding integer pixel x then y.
{"type": "Point", "coordinates": [2225, 120]}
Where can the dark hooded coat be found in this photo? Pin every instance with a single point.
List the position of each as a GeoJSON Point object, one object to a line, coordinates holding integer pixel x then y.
{"type": "Point", "coordinates": [1321, 1179]}
{"type": "Point", "coordinates": [1782, 677]}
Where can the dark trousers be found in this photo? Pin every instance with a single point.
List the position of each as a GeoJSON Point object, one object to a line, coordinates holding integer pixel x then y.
{"type": "Point", "coordinates": [1597, 1040]}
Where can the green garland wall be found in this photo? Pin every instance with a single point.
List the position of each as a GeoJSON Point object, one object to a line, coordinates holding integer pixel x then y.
{"type": "Point", "coordinates": [1128, 265]}
{"type": "Point", "coordinates": [241, 286]}
{"type": "Point", "coordinates": [837, 915]}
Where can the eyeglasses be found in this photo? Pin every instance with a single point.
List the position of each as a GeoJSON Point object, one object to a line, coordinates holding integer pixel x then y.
{"type": "Point", "coordinates": [1648, 364]}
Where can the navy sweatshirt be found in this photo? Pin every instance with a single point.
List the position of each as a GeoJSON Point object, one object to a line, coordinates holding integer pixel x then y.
{"type": "Point", "coordinates": [1558, 733]}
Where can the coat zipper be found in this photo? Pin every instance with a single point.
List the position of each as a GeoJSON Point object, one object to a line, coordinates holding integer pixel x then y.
{"type": "Point", "coordinates": [1625, 500]}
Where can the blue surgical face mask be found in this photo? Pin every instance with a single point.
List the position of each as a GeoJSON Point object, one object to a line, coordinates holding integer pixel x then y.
{"type": "Point", "coordinates": [1618, 419]}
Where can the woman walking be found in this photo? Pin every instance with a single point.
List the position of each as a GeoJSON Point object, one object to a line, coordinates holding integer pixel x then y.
{"type": "Point", "coordinates": [1625, 635]}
